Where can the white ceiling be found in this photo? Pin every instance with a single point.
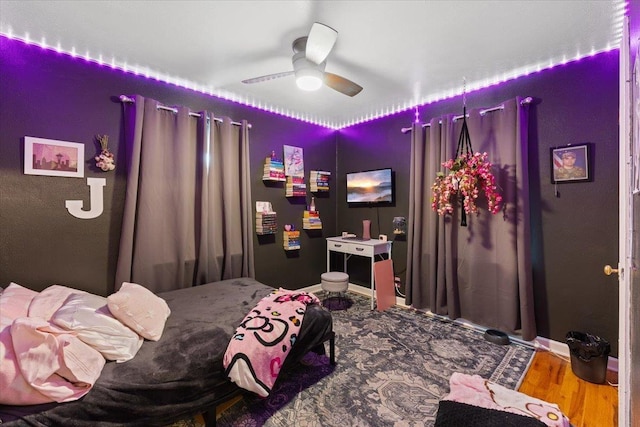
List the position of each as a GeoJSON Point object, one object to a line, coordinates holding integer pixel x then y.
{"type": "Point", "coordinates": [404, 53]}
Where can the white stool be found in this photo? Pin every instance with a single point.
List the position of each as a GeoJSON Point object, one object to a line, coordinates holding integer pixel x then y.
{"type": "Point", "coordinates": [334, 282]}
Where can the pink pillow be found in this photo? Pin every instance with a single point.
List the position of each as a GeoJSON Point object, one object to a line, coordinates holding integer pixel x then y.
{"type": "Point", "coordinates": [140, 309]}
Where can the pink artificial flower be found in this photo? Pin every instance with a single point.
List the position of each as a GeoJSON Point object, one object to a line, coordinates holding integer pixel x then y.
{"type": "Point", "coordinates": [467, 176]}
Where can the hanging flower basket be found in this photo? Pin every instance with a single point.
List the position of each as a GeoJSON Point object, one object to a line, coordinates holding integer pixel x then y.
{"type": "Point", "coordinates": [105, 160]}
{"type": "Point", "coordinates": [469, 175]}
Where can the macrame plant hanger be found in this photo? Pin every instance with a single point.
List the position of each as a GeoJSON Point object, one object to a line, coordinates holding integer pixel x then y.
{"type": "Point", "coordinates": [464, 147]}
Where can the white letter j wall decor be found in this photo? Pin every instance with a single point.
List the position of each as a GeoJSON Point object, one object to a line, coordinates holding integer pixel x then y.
{"type": "Point", "coordinates": [97, 200]}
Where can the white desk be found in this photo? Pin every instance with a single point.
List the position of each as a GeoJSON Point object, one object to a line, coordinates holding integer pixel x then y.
{"type": "Point", "coordinates": [365, 248]}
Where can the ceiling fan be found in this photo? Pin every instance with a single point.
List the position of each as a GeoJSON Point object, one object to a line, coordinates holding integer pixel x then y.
{"type": "Point", "coordinates": [309, 61]}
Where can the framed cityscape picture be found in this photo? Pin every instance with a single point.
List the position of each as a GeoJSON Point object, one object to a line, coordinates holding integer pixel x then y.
{"type": "Point", "coordinates": [570, 163]}
{"type": "Point", "coordinates": [53, 158]}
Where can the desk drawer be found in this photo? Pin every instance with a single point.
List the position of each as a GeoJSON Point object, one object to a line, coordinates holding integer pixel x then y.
{"type": "Point", "coordinates": [350, 248]}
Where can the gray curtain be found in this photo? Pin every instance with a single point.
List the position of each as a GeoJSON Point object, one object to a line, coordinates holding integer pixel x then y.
{"type": "Point", "coordinates": [226, 251]}
{"type": "Point", "coordinates": [481, 272]}
{"type": "Point", "coordinates": [181, 227]}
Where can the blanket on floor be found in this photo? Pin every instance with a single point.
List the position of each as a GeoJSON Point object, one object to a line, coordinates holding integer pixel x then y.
{"type": "Point", "coordinates": [263, 340]}
{"type": "Point", "coordinates": [474, 390]}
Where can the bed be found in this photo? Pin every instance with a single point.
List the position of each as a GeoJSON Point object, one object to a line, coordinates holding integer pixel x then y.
{"type": "Point", "coordinates": [180, 375]}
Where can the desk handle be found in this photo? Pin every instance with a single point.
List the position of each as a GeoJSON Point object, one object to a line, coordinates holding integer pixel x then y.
{"type": "Point", "coordinates": [337, 245]}
{"type": "Point", "coordinates": [360, 249]}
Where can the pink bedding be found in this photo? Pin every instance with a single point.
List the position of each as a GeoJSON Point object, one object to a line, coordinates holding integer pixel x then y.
{"type": "Point", "coordinates": [53, 361]}
{"type": "Point", "coordinates": [14, 303]}
{"type": "Point", "coordinates": [263, 340]}
{"type": "Point", "coordinates": [40, 362]}
{"type": "Point", "coordinates": [474, 390]}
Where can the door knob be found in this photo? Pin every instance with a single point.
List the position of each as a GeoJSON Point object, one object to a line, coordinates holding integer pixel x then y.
{"type": "Point", "coordinates": [608, 270]}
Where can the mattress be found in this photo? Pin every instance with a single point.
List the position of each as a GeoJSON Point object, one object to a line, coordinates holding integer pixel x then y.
{"type": "Point", "coordinates": [180, 375]}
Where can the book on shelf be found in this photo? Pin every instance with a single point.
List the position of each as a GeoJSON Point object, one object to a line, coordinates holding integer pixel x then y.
{"type": "Point", "coordinates": [308, 225]}
{"type": "Point", "coordinates": [266, 228]}
{"type": "Point", "coordinates": [295, 186]}
{"type": "Point", "coordinates": [311, 220]}
{"type": "Point", "coordinates": [319, 181]}
{"type": "Point", "coordinates": [273, 170]}
{"type": "Point", "coordinates": [266, 218]}
{"type": "Point", "coordinates": [291, 240]}
{"type": "Point", "coordinates": [266, 231]}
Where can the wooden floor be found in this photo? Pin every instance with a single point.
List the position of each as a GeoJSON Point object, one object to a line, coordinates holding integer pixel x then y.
{"type": "Point", "coordinates": [586, 404]}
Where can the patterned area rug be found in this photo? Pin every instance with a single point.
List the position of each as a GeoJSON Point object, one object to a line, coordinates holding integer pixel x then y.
{"type": "Point", "coordinates": [392, 370]}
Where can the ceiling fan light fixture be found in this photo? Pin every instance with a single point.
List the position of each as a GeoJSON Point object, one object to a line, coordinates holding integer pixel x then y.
{"type": "Point", "coordinates": [309, 63]}
{"type": "Point", "coordinates": [309, 76]}
{"type": "Point", "coordinates": [309, 79]}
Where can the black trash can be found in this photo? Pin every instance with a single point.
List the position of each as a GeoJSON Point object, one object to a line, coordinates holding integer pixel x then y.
{"type": "Point", "coordinates": [589, 356]}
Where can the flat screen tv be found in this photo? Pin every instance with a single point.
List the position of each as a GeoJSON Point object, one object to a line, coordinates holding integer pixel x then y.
{"type": "Point", "coordinates": [370, 188]}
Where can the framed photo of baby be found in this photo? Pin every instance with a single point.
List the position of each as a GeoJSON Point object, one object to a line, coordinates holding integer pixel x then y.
{"type": "Point", "coordinates": [570, 163]}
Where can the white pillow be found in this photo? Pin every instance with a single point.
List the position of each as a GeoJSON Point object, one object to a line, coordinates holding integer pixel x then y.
{"type": "Point", "coordinates": [89, 317]}
{"type": "Point", "coordinates": [140, 309]}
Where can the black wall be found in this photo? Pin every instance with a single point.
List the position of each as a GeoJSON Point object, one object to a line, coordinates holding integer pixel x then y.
{"type": "Point", "coordinates": [574, 234]}
{"type": "Point", "coordinates": [49, 95]}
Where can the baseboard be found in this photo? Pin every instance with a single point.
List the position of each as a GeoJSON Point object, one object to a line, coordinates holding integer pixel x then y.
{"type": "Point", "coordinates": [541, 343]}
{"type": "Point", "coordinates": [562, 349]}
{"type": "Point", "coordinates": [312, 288]}
{"type": "Point", "coordinates": [358, 289]}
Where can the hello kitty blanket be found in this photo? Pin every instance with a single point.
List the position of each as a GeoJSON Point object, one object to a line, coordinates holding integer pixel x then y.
{"type": "Point", "coordinates": [261, 343]}
{"type": "Point", "coordinates": [475, 390]}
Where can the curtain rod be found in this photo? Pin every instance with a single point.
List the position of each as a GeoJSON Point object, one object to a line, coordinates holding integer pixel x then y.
{"type": "Point", "coordinates": [526, 100]}
{"type": "Point", "coordinates": [125, 98]}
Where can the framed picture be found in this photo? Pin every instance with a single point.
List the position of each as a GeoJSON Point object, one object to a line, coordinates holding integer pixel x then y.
{"type": "Point", "coordinates": [570, 163]}
{"type": "Point", "coordinates": [293, 161]}
{"type": "Point", "coordinates": [53, 158]}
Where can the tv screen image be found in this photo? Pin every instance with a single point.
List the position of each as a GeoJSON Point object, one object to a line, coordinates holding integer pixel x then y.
{"type": "Point", "coordinates": [370, 187]}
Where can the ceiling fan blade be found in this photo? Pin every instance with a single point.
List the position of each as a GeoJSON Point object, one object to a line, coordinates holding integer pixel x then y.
{"type": "Point", "coordinates": [268, 77]}
{"type": "Point", "coordinates": [341, 84]}
{"type": "Point", "coordinates": [320, 42]}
